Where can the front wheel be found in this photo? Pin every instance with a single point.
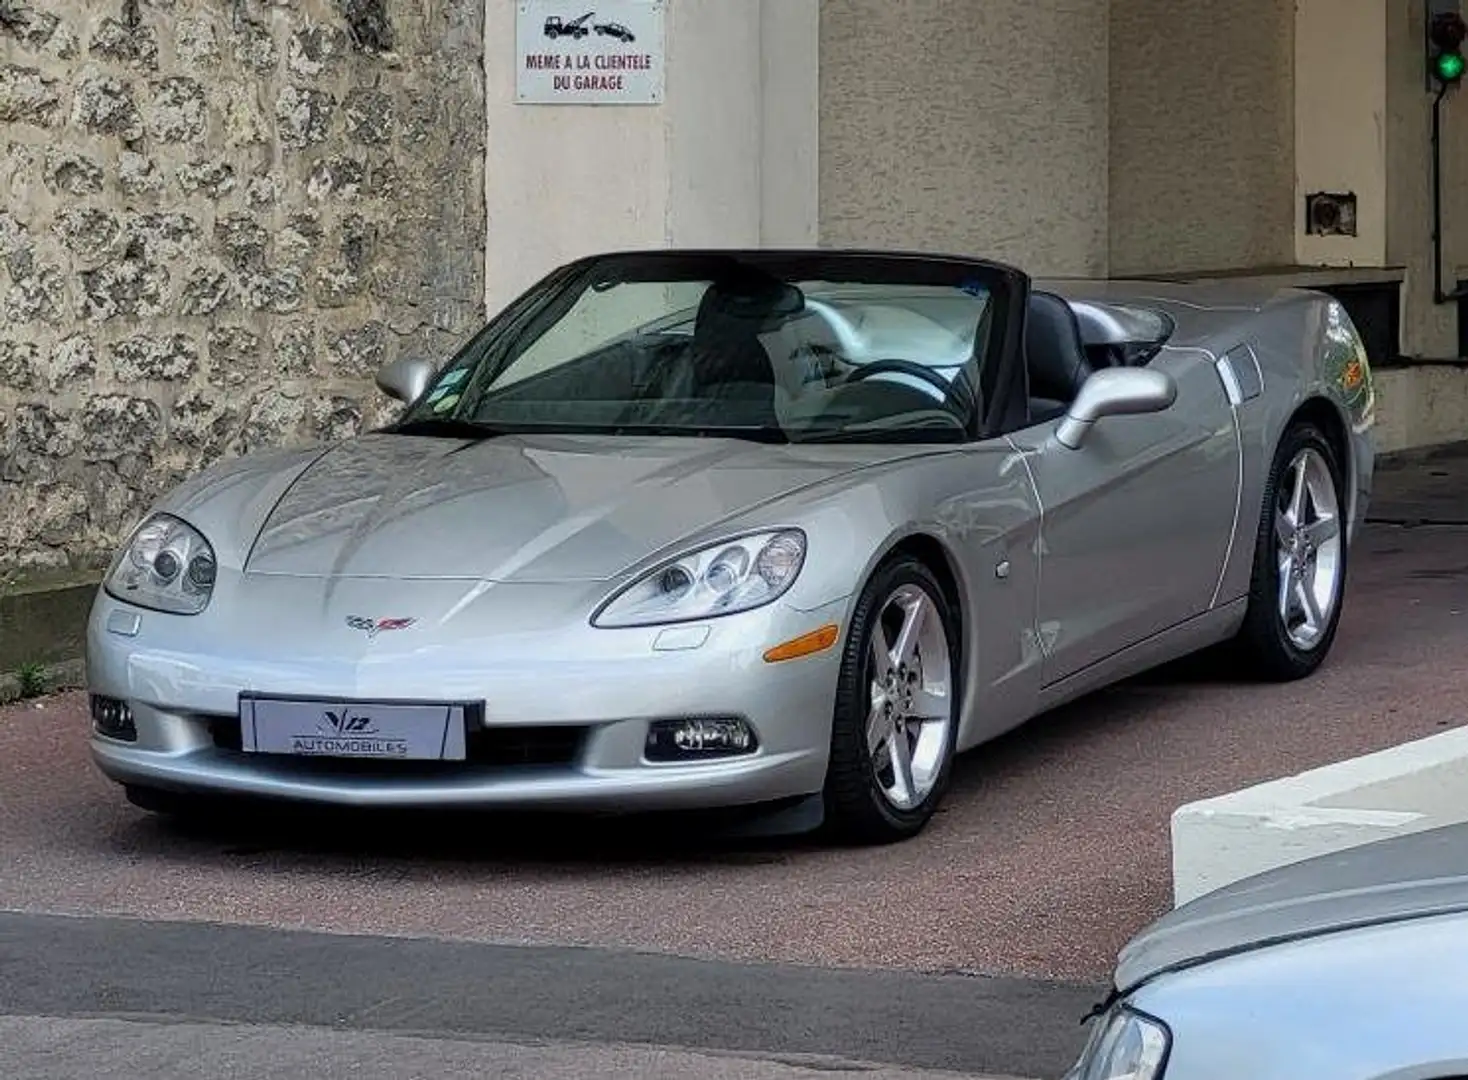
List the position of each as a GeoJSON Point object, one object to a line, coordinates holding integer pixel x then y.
{"type": "Point", "coordinates": [1299, 578]}
{"type": "Point", "coordinates": [896, 715]}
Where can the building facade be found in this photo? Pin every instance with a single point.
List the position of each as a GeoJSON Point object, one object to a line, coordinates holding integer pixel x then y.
{"type": "Point", "coordinates": [221, 215]}
{"type": "Point", "coordinates": [1072, 137]}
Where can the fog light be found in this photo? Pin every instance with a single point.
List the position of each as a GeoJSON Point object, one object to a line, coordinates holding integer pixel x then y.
{"type": "Point", "coordinates": [114, 719]}
{"type": "Point", "coordinates": [698, 738]}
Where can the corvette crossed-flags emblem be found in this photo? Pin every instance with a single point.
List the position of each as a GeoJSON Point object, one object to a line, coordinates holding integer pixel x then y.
{"type": "Point", "coordinates": [373, 627]}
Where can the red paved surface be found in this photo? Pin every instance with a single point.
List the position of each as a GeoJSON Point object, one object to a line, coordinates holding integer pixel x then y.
{"type": "Point", "coordinates": [1052, 850]}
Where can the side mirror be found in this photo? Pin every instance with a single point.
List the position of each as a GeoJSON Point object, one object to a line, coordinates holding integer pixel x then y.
{"type": "Point", "coordinates": [405, 379]}
{"type": "Point", "coordinates": [1114, 392]}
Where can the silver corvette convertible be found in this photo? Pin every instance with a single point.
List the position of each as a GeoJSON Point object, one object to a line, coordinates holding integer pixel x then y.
{"type": "Point", "coordinates": [780, 531]}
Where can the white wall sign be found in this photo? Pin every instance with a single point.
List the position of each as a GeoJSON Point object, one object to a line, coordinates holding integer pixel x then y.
{"type": "Point", "coordinates": [600, 52]}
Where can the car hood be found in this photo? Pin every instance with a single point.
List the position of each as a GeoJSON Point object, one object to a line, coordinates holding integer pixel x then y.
{"type": "Point", "coordinates": [1413, 876]}
{"type": "Point", "coordinates": [513, 508]}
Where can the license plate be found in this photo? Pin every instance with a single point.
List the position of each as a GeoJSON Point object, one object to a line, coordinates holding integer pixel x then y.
{"type": "Point", "coordinates": [353, 729]}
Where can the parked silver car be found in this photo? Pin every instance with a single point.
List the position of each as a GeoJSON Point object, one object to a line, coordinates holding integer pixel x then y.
{"type": "Point", "coordinates": [1351, 966]}
{"type": "Point", "coordinates": [689, 530]}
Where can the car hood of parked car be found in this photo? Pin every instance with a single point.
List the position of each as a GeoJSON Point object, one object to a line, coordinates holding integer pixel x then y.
{"type": "Point", "coordinates": [1414, 876]}
{"type": "Point", "coordinates": [546, 508]}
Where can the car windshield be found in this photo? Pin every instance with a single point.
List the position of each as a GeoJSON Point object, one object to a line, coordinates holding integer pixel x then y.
{"type": "Point", "coordinates": [792, 348]}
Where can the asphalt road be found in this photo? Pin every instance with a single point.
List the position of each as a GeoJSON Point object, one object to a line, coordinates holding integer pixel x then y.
{"type": "Point", "coordinates": [1051, 852]}
{"type": "Point", "coordinates": [607, 1002]}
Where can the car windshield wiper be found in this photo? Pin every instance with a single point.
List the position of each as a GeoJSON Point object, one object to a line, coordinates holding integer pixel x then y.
{"type": "Point", "coordinates": [445, 428]}
{"type": "Point", "coordinates": [931, 433]}
{"type": "Point", "coordinates": [753, 434]}
{"type": "Point", "coordinates": [688, 431]}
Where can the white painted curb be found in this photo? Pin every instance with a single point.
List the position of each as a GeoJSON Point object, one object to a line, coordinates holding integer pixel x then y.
{"type": "Point", "coordinates": [1418, 785]}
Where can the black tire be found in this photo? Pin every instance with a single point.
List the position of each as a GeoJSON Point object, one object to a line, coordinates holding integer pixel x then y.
{"type": "Point", "coordinates": [1263, 644]}
{"type": "Point", "coordinates": [857, 811]}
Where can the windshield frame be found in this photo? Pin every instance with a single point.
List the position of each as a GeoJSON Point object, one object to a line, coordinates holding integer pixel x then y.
{"type": "Point", "coordinates": [994, 357]}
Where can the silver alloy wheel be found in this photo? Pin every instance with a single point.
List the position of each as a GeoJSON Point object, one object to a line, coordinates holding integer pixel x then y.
{"type": "Point", "coordinates": [1308, 548]}
{"type": "Point", "coordinates": [911, 696]}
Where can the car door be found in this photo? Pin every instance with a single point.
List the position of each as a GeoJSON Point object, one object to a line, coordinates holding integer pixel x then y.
{"type": "Point", "coordinates": [1136, 522]}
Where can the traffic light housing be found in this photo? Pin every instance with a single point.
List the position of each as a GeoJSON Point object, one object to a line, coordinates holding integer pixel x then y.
{"type": "Point", "coordinates": [1444, 29]}
{"type": "Point", "coordinates": [1445, 33]}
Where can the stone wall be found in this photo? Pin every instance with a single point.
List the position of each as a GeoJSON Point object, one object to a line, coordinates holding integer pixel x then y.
{"type": "Point", "coordinates": [218, 218]}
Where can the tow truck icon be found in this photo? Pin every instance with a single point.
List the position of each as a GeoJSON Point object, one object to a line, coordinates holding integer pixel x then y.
{"type": "Point", "coordinates": [555, 27]}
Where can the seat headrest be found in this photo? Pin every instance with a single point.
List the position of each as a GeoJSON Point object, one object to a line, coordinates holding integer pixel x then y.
{"type": "Point", "coordinates": [761, 302]}
{"type": "Point", "coordinates": [1054, 355]}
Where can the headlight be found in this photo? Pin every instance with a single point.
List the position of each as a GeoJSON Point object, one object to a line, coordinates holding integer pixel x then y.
{"type": "Point", "coordinates": [167, 566]}
{"type": "Point", "coordinates": [1126, 1046]}
{"type": "Point", "coordinates": [721, 579]}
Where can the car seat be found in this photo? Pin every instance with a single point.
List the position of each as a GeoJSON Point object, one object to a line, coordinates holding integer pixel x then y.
{"type": "Point", "coordinates": [727, 362]}
{"type": "Point", "coordinates": [1055, 359]}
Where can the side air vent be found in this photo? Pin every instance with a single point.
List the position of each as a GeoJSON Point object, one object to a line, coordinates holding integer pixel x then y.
{"type": "Point", "coordinates": [1239, 370]}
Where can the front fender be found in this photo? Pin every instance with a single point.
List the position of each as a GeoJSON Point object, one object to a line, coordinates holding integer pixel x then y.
{"type": "Point", "coordinates": [229, 502]}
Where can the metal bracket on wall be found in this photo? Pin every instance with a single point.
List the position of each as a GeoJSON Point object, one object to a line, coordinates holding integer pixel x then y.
{"type": "Point", "coordinates": [1438, 296]}
{"type": "Point", "coordinates": [1461, 292]}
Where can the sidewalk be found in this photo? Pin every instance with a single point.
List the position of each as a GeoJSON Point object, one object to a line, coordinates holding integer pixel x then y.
{"type": "Point", "coordinates": [69, 1048]}
{"type": "Point", "coordinates": [1427, 487]}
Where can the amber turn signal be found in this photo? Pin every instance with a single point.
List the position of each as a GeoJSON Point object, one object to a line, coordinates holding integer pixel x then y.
{"type": "Point", "coordinates": [814, 642]}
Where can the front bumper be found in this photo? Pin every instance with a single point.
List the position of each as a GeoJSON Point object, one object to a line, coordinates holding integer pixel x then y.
{"type": "Point", "coordinates": [565, 713]}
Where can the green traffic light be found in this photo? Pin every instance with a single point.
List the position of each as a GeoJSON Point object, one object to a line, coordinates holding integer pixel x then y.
{"type": "Point", "coordinates": [1448, 66]}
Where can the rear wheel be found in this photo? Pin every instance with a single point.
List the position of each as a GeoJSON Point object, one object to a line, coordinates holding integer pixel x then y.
{"type": "Point", "coordinates": [1299, 577]}
{"type": "Point", "coordinates": [896, 716]}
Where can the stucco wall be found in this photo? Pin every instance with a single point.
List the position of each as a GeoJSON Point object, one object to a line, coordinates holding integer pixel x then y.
{"type": "Point", "coordinates": [971, 128]}
{"type": "Point", "coordinates": [1202, 135]}
{"type": "Point", "coordinates": [219, 217]}
{"type": "Point", "coordinates": [1427, 329]}
{"type": "Point", "coordinates": [727, 159]}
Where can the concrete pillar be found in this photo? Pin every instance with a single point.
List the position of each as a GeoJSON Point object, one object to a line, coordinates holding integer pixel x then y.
{"type": "Point", "coordinates": [1341, 124]}
{"type": "Point", "coordinates": [728, 158]}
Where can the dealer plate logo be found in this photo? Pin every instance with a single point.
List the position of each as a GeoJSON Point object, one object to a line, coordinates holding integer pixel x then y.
{"type": "Point", "coordinates": [348, 733]}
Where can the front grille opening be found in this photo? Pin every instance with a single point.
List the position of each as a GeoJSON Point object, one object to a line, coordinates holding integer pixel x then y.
{"type": "Point", "coordinates": [225, 730]}
{"type": "Point", "coordinates": [506, 746]}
